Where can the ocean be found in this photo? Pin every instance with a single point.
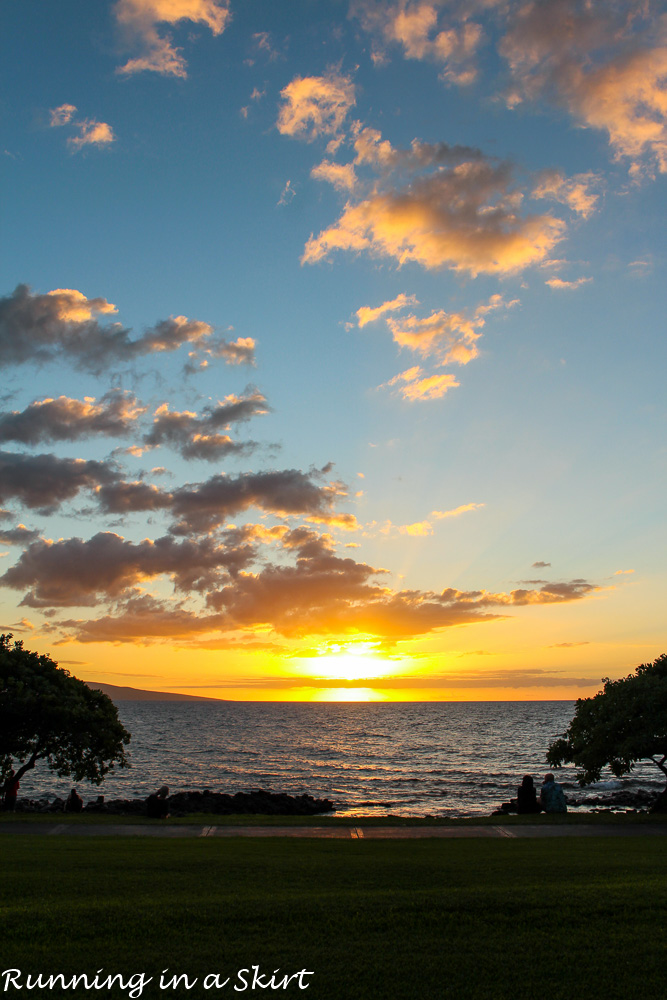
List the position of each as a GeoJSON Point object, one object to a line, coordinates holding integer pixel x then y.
{"type": "Point", "coordinates": [400, 758]}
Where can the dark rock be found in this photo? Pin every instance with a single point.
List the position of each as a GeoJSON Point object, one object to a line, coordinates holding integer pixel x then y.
{"type": "Point", "coordinates": [624, 799]}
{"type": "Point", "coordinates": [256, 802]}
{"type": "Point", "coordinates": [640, 798]}
{"type": "Point", "coordinates": [660, 804]}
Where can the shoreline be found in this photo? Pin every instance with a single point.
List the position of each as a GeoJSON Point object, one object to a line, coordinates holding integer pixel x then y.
{"type": "Point", "coordinates": [570, 819]}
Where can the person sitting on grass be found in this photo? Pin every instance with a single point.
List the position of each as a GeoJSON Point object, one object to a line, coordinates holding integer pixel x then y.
{"type": "Point", "coordinates": [526, 797]}
{"type": "Point", "coordinates": [157, 806]}
{"type": "Point", "coordinates": [11, 790]}
{"type": "Point", "coordinates": [552, 796]}
{"type": "Point", "coordinates": [74, 802]}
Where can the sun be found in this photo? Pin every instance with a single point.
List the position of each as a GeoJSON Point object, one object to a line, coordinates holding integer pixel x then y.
{"type": "Point", "coordinates": [349, 662]}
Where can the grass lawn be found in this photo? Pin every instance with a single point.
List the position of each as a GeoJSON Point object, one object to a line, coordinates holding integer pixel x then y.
{"type": "Point", "coordinates": [575, 919]}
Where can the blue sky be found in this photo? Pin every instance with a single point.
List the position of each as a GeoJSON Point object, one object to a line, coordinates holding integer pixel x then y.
{"type": "Point", "coordinates": [382, 281]}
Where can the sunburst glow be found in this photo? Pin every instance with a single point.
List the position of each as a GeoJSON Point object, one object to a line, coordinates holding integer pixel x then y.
{"type": "Point", "coordinates": [354, 662]}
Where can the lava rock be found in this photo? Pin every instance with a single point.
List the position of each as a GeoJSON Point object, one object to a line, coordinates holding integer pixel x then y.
{"type": "Point", "coordinates": [253, 803]}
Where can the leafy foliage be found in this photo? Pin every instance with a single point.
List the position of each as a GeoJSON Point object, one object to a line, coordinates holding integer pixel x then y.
{"type": "Point", "coordinates": [46, 714]}
{"type": "Point", "coordinates": [624, 723]}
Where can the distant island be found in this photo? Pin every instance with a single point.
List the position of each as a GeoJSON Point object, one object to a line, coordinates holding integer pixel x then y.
{"type": "Point", "coordinates": [138, 694]}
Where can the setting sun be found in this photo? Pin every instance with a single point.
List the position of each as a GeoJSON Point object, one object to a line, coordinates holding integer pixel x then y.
{"type": "Point", "coordinates": [349, 663]}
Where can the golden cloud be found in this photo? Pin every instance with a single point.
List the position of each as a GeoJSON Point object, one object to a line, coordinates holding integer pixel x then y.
{"type": "Point", "coordinates": [367, 314]}
{"type": "Point", "coordinates": [457, 511]}
{"type": "Point", "coordinates": [139, 20]}
{"type": "Point", "coordinates": [560, 285]}
{"type": "Point", "coordinates": [465, 218]}
{"type": "Point", "coordinates": [62, 115]}
{"type": "Point", "coordinates": [414, 26]}
{"type": "Point", "coordinates": [71, 306]}
{"type": "Point", "coordinates": [606, 64]}
{"type": "Point", "coordinates": [575, 192]}
{"type": "Point", "coordinates": [414, 384]}
{"type": "Point", "coordinates": [92, 133]}
{"type": "Point", "coordinates": [341, 175]}
{"type": "Point", "coordinates": [315, 105]}
{"type": "Point", "coordinates": [449, 337]}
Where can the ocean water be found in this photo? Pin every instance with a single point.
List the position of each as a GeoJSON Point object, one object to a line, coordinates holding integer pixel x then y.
{"type": "Point", "coordinates": [401, 758]}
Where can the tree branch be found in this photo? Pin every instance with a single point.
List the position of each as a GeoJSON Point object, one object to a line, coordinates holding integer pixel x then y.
{"type": "Point", "coordinates": [660, 764]}
{"type": "Point", "coordinates": [27, 767]}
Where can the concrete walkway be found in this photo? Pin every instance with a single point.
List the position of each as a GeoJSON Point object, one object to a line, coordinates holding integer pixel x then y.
{"type": "Point", "coordinates": [336, 832]}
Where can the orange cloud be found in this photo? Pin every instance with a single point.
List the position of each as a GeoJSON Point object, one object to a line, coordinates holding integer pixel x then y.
{"type": "Point", "coordinates": [347, 522]}
{"type": "Point", "coordinates": [139, 20]}
{"type": "Point", "coordinates": [62, 115]}
{"type": "Point", "coordinates": [575, 192]}
{"type": "Point", "coordinates": [315, 105]}
{"type": "Point", "coordinates": [72, 306]}
{"type": "Point", "coordinates": [414, 26]}
{"type": "Point", "coordinates": [236, 590]}
{"type": "Point", "coordinates": [341, 175]}
{"type": "Point", "coordinates": [452, 337]}
{"type": "Point", "coordinates": [449, 337]}
{"type": "Point", "coordinates": [414, 384]}
{"type": "Point", "coordinates": [366, 314]}
{"type": "Point", "coordinates": [457, 511]}
{"type": "Point", "coordinates": [464, 218]}
{"type": "Point", "coordinates": [560, 285]}
{"type": "Point", "coordinates": [92, 133]}
{"type": "Point", "coordinates": [607, 64]}
{"type": "Point", "coordinates": [418, 529]}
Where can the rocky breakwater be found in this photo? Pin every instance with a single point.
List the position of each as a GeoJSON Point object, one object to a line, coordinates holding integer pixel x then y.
{"type": "Point", "coordinates": [257, 802]}
{"type": "Point", "coordinates": [617, 800]}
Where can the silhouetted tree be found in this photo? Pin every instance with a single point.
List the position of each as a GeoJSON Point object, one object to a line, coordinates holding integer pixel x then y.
{"type": "Point", "coordinates": [46, 714]}
{"type": "Point", "coordinates": [624, 723]}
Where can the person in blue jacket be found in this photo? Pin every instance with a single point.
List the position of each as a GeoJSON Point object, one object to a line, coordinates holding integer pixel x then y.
{"type": "Point", "coordinates": [552, 796]}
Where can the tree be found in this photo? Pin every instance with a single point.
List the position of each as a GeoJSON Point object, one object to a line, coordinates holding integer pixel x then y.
{"type": "Point", "coordinates": [624, 723]}
{"type": "Point", "coordinates": [46, 714]}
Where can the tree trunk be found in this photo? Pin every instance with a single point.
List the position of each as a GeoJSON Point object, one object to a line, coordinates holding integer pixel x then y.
{"type": "Point", "coordinates": [26, 767]}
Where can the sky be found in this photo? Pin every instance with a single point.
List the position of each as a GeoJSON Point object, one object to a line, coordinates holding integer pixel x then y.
{"type": "Point", "coordinates": [332, 344]}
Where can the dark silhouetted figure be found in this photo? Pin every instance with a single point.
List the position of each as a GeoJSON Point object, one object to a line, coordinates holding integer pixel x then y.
{"type": "Point", "coordinates": [526, 797]}
{"type": "Point", "coordinates": [157, 806]}
{"type": "Point", "coordinates": [74, 802]}
{"type": "Point", "coordinates": [11, 791]}
{"type": "Point", "coordinates": [552, 796]}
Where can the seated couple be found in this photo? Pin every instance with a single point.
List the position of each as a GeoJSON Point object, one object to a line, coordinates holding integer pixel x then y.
{"type": "Point", "coordinates": [551, 800]}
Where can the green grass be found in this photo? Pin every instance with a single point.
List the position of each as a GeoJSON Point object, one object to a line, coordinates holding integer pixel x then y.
{"type": "Point", "coordinates": [459, 919]}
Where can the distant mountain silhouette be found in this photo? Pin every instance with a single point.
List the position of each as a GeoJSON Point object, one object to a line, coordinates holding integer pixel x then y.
{"type": "Point", "coordinates": [137, 694]}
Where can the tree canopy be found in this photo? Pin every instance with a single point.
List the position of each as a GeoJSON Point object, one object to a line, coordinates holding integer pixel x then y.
{"type": "Point", "coordinates": [624, 723]}
{"type": "Point", "coordinates": [48, 715]}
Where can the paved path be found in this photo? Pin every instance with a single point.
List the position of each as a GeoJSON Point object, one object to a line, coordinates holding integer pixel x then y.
{"type": "Point", "coordinates": [336, 832]}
